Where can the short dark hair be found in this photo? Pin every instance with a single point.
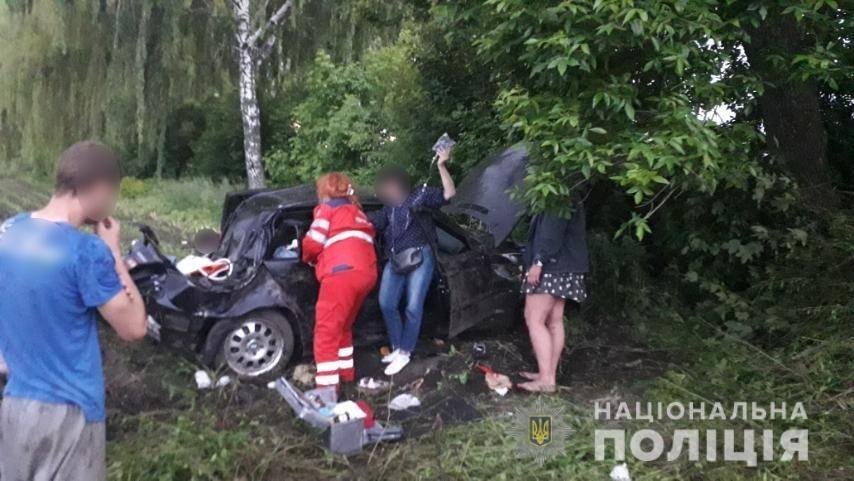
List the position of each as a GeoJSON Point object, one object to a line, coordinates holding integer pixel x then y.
{"type": "Point", "coordinates": [395, 174]}
{"type": "Point", "coordinates": [85, 164]}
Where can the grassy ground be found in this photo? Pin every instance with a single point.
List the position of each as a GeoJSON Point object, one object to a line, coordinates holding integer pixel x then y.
{"type": "Point", "coordinates": [161, 428]}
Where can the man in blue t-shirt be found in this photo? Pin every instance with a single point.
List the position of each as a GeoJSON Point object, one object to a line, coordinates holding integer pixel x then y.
{"type": "Point", "coordinates": [53, 279]}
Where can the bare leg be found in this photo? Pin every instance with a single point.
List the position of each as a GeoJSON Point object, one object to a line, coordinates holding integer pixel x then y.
{"type": "Point", "coordinates": [558, 338]}
{"type": "Point", "coordinates": [537, 310]}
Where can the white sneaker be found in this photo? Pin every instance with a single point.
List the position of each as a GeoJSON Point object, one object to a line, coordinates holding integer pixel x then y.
{"type": "Point", "coordinates": [390, 356]}
{"type": "Point", "coordinates": [397, 364]}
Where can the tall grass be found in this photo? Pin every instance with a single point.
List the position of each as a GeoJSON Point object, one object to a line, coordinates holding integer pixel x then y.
{"type": "Point", "coordinates": [189, 204]}
{"type": "Point", "coordinates": [174, 208]}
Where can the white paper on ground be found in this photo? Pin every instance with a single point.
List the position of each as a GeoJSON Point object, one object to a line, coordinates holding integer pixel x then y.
{"type": "Point", "coordinates": [620, 473]}
{"type": "Point", "coordinates": [203, 380]}
{"type": "Point", "coordinates": [404, 401]}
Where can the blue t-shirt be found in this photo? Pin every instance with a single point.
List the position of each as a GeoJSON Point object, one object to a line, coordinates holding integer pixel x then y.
{"type": "Point", "coordinates": [52, 279]}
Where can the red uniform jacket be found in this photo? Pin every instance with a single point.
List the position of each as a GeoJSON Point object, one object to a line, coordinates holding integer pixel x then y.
{"type": "Point", "coordinates": [341, 238]}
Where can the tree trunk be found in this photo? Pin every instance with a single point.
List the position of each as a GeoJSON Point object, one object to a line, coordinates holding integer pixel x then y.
{"type": "Point", "coordinates": [249, 98]}
{"type": "Point", "coordinates": [790, 108]}
{"type": "Point", "coordinates": [161, 151]}
{"type": "Point", "coordinates": [141, 61]}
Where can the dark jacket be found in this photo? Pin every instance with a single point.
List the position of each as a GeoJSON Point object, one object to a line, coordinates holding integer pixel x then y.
{"type": "Point", "coordinates": [411, 223]}
{"type": "Point", "coordinates": [560, 244]}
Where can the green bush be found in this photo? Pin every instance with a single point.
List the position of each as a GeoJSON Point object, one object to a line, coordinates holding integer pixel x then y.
{"type": "Point", "coordinates": [133, 187]}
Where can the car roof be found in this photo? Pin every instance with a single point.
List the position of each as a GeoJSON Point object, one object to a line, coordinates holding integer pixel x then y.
{"type": "Point", "coordinates": [249, 203]}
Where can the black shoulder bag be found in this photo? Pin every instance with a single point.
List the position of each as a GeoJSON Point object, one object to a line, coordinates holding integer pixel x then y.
{"type": "Point", "coordinates": [407, 260]}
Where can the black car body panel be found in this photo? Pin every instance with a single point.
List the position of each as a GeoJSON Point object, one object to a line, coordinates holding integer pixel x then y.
{"type": "Point", "coordinates": [484, 193]}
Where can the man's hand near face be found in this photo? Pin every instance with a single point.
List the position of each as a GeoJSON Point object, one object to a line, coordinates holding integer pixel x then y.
{"type": "Point", "coordinates": [126, 311]}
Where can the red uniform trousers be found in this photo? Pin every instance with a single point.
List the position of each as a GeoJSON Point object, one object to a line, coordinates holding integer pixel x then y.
{"type": "Point", "coordinates": [338, 303]}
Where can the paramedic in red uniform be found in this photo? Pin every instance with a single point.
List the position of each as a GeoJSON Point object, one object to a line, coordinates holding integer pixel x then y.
{"type": "Point", "coordinates": [340, 243]}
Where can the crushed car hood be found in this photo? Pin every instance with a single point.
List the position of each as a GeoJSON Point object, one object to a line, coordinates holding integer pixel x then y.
{"type": "Point", "coordinates": [485, 192]}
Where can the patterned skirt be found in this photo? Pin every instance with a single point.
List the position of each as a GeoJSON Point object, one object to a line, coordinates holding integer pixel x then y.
{"type": "Point", "coordinates": [563, 285]}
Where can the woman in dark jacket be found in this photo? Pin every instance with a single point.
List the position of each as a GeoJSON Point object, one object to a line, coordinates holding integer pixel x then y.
{"type": "Point", "coordinates": [557, 264]}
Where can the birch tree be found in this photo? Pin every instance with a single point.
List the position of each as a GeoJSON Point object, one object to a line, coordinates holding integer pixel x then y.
{"type": "Point", "coordinates": [253, 47]}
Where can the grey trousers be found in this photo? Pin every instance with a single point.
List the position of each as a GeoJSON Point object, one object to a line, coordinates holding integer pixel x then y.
{"type": "Point", "coordinates": [49, 442]}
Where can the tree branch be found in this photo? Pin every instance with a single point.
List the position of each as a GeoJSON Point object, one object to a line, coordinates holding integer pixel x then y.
{"type": "Point", "coordinates": [274, 20]}
{"type": "Point", "coordinates": [264, 52]}
{"type": "Point", "coordinates": [658, 206]}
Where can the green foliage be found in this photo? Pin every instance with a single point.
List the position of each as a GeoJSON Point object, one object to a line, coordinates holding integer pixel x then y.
{"type": "Point", "coordinates": [334, 126]}
{"type": "Point", "coordinates": [126, 72]}
{"type": "Point", "coordinates": [218, 148]}
{"type": "Point", "coordinates": [617, 93]}
{"type": "Point", "coordinates": [604, 92]}
{"type": "Point", "coordinates": [353, 117]}
{"type": "Point", "coordinates": [73, 70]}
{"type": "Point", "coordinates": [389, 107]}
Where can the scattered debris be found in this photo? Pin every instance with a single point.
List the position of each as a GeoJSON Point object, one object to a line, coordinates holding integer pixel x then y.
{"type": "Point", "coordinates": [478, 350]}
{"type": "Point", "coordinates": [416, 384]}
{"type": "Point", "coordinates": [402, 402]}
{"type": "Point", "coordinates": [636, 362]}
{"type": "Point", "coordinates": [203, 379]}
{"type": "Point", "coordinates": [304, 374]}
{"type": "Point", "coordinates": [499, 383]}
{"type": "Point", "coordinates": [223, 381]}
{"type": "Point", "coordinates": [371, 386]}
{"type": "Point", "coordinates": [620, 473]}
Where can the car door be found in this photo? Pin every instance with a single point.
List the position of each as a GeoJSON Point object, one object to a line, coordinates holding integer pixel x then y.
{"type": "Point", "coordinates": [482, 283]}
{"type": "Point", "coordinates": [477, 297]}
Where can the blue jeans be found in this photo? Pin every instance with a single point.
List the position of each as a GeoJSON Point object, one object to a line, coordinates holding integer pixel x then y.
{"type": "Point", "coordinates": [415, 285]}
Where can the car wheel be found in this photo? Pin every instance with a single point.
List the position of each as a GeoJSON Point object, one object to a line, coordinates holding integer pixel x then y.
{"type": "Point", "coordinates": [257, 345]}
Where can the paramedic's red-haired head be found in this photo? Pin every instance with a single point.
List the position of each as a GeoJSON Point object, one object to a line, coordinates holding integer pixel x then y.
{"type": "Point", "coordinates": [336, 185]}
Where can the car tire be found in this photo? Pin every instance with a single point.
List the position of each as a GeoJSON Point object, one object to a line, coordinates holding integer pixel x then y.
{"type": "Point", "coordinates": [256, 346]}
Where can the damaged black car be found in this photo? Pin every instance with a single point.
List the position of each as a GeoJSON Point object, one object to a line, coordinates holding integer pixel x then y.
{"type": "Point", "coordinates": [258, 316]}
